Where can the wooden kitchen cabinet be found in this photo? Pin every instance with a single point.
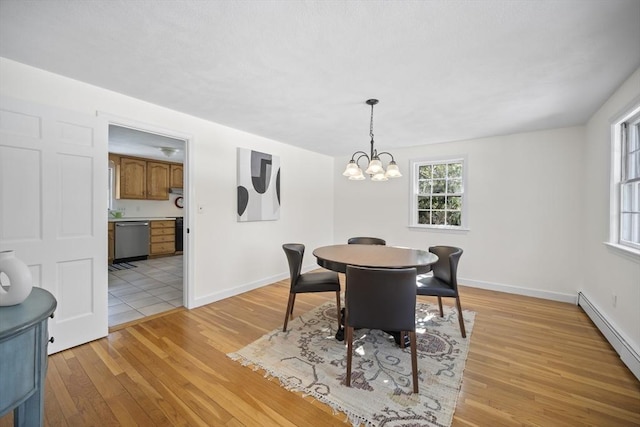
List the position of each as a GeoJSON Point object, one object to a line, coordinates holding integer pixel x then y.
{"type": "Point", "coordinates": [145, 179]}
{"type": "Point", "coordinates": [176, 176]}
{"type": "Point", "coordinates": [163, 238]}
{"type": "Point", "coordinates": [133, 178]}
{"type": "Point", "coordinates": [157, 181]}
{"type": "Point", "coordinates": [112, 242]}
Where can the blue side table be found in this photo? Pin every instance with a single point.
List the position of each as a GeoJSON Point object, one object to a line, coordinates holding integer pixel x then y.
{"type": "Point", "coordinates": [24, 337]}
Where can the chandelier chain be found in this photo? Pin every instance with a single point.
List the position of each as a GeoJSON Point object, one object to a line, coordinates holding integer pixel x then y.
{"type": "Point", "coordinates": [371, 124]}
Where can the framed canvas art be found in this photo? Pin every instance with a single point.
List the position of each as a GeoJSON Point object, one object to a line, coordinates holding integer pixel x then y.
{"type": "Point", "coordinates": [258, 186]}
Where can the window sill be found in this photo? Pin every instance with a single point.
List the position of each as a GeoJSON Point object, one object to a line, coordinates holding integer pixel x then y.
{"type": "Point", "coordinates": [439, 229]}
{"type": "Point", "coordinates": [626, 251]}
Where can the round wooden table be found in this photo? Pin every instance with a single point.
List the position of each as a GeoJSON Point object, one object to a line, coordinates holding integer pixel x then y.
{"type": "Point", "coordinates": [337, 257]}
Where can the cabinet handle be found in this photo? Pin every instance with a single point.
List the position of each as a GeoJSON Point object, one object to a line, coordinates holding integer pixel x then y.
{"type": "Point", "coordinates": [51, 340]}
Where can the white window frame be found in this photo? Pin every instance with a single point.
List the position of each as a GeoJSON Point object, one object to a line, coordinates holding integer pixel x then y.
{"type": "Point", "coordinates": [413, 198]}
{"type": "Point", "coordinates": [631, 117]}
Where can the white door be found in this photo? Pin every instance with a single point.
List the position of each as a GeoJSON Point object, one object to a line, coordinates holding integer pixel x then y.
{"type": "Point", "coordinates": [53, 211]}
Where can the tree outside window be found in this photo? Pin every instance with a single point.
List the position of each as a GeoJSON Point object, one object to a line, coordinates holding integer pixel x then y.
{"type": "Point", "coordinates": [438, 199]}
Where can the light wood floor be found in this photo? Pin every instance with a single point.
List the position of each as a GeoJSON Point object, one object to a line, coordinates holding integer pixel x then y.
{"type": "Point", "coordinates": [531, 362]}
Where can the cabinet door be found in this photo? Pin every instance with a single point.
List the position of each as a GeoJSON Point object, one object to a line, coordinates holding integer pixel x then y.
{"type": "Point", "coordinates": [157, 181]}
{"type": "Point", "coordinates": [133, 178]}
{"type": "Point", "coordinates": [177, 180]}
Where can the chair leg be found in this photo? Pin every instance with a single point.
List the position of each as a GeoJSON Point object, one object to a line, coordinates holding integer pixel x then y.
{"type": "Point", "coordinates": [414, 360]}
{"type": "Point", "coordinates": [293, 301]}
{"type": "Point", "coordinates": [349, 331]}
{"type": "Point", "coordinates": [292, 297]}
{"type": "Point", "coordinates": [460, 318]}
{"type": "Point", "coordinates": [338, 305]}
{"type": "Point", "coordinates": [440, 305]}
{"type": "Point", "coordinates": [403, 334]}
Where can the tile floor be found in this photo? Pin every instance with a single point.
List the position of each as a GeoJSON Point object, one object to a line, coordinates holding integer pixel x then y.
{"type": "Point", "coordinates": [154, 286]}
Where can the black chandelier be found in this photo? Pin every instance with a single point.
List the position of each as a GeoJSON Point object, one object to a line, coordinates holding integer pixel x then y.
{"type": "Point", "coordinates": [374, 169]}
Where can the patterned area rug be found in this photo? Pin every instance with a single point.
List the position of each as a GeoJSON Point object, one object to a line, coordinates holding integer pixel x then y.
{"type": "Point", "coordinates": [307, 358]}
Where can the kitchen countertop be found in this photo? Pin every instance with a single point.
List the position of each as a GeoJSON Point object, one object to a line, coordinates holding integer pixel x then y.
{"type": "Point", "coordinates": [146, 218]}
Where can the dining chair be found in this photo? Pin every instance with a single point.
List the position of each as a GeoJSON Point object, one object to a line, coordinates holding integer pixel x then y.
{"type": "Point", "coordinates": [381, 299]}
{"type": "Point", "coordinates": [366, 241]}
{"type": "Point", "coordinates": [323, 281]}
{"type": "Point", "coordinates": [444, 282]}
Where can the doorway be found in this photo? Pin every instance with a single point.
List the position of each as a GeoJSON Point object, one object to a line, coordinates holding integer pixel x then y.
{"type": "Point", "coordinates": [152, 282]}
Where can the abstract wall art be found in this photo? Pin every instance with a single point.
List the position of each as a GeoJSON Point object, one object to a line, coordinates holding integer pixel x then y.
{"type": "Point", "coordinates": [258, 186]}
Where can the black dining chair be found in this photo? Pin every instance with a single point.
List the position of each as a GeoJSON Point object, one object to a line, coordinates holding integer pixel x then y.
{"type": "Point", "coordinates": [323, 281]}
{"type": "Point", "coordinates": [366, 241]}
{"type": "Point", "coordinates": [444, 282]}
{"type": "Point", "coordinates": [381, 299]}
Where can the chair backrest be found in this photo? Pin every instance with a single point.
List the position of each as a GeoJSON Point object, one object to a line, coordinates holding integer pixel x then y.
{"type": "Point", "coordinates": [295, 253]}
{"type": "Point", "coordinates": [446, 269]}
{"type": "Point", "coordinates": [366, 241]}
{"type": "Point", "coordinates": [379, 298]}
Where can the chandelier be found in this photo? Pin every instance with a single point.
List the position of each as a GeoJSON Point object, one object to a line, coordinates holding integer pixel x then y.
{"type": "Point", "coordinates": [374, 169]}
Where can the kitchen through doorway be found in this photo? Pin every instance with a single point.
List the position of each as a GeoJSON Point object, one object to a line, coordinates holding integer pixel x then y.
{"type": "Point", "coordinates": [147, 239]}
{"type": "Point", "coordinates": [145, 288]}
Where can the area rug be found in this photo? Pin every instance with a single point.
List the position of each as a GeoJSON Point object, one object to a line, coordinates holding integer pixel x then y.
{"type": "Point", "coordinates": [308, 359]}
{"type": "Point", "coordinates": [121, 266]}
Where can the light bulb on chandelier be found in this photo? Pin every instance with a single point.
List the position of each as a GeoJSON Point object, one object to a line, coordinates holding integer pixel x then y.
{"type": "Point", "coordinates": [375, 168]}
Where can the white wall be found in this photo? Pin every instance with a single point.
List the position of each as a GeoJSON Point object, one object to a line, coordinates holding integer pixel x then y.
{"type": "Point", "coordinates": [525, 217]}
{"type": "Point", "coordinates": [538, 203]}
{"type": "Point", "coordinates": [227, 257]}
{"type": "Point", "coordinates": [606, 270]}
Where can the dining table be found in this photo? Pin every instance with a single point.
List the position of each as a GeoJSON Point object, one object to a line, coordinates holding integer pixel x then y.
{"type": "Point", "coordinates": [338, 257]}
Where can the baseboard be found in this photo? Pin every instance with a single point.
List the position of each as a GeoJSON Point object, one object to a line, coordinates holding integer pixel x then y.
{"type": "Point", "coordinates": [226, 293]}
{"type": "Point", "coordinates": [628, 354]}
{"type": "Point", "coordinates": [554, 296]}
{"type": "Point", "coordinates": [537, 293]}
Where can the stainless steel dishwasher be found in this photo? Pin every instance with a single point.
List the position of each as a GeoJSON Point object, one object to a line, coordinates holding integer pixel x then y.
{"type": "Point", "coordinates": [132, 240]}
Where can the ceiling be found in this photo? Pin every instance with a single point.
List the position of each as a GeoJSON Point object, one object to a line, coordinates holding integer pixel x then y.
{"type": "Point", "coordinates": [133, 142]}
{"type": "Point", "coordinates": [300, 71]}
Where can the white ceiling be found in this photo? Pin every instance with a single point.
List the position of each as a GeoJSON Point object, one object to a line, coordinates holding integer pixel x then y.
{"type": "Point", "coordinates": [300, 71]}
{"type": "Point", "coordinates": [133, 142]}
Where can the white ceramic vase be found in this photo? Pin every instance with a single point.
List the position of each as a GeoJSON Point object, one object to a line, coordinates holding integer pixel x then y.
{"type": "Point", "coordinates": [20, 281]}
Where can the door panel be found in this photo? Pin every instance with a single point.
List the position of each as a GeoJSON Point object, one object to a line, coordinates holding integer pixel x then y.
{"type": "Point", "coordinates": [73, 277]}
{"type": "Point", "coordinates": [20, 210]}
{"type": "Point", "coordinates": [76, 196]}
{"type": "Point", "coordinates": [53, 211]}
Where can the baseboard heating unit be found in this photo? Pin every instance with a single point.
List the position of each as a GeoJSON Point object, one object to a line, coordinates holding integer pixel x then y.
{"type": "Point", "coordinates": [628, 354]}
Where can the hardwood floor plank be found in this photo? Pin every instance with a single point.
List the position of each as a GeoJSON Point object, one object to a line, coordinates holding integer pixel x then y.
{"type": "Point", "coordinates": [531, 362]}
{"type": "Point", "coordinates": [157, 374]}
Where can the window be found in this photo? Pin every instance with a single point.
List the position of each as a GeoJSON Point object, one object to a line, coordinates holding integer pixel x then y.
{"type": "Point", "coordinates": [629, 182]}
{"type": "Point", "coordinates": [438, 194]}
